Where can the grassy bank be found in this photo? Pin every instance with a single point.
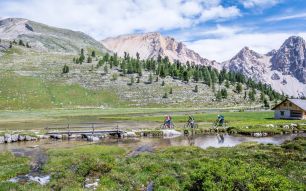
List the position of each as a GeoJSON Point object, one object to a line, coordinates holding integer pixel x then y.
{"type": "Point", "coordinates": [248, 166]}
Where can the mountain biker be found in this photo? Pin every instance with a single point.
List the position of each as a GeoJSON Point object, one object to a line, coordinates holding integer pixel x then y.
{"type": "Point", "coordinates": [190, 121]}
{"type": "Point", "coordinates": [220, 120]}
{"type": "Point", "coordinates": [168, 121]}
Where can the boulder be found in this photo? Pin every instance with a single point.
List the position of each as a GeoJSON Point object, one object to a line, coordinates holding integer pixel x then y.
{"type": "Point", "coordinates": [92, 138]}
{"type": "Point", "coordinates": [129, 134]}
{"type": "Point", "coordinates": [14, 137]}
{"type": "Point", "coordinates": [7, 138]}
{"type": "Point", "coordinates": [169, 133]}
{"type": "Point", "coordinates": [286, 127]}
{"type": "Point", "coordinates": [293, 126]}
{"type": "Point", "coordinates": [257, 134]}
{"type": "Point", "coordinates": [21, 138]}
{"type": "Point", "coordinates": [270, 125]}
{"type": "Point", "coordinates": [2, 140]}
{"type": "Point", "coordinates": [55, 136]}
{"type": "Point", "coordinates": [30, 138]}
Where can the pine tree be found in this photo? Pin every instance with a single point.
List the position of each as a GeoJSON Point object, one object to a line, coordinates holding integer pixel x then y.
{"type": "Point", "coordinates": [156, 79]}
{"type": "Point", "coordinates": [132, 80]}
{"type": "Point", "coordinates": [186, 76]}
{"type": "Point", "coordinates": [218, 95]}
{"type": "Point", "coordinates": [93, 54]}
{"type": "Point", "coordinates": [252, 95]}
{"type": "Point", "coordinates": [105, 69]}
{"type": "Point", "coordinates": [171, 91]}
{"type": "Point", "coordinates": [27, 45]}
{"type": "Point", "coordinates": [224, 93]}
{"type": "Point", "coordinates": [21, 43]}
{"type": "Point", "coordinates": [239, 88]}
{"type": "Point", "coordinates": [65, 69]}
{"type": "Point", "coordinates": [227, 85]}
{"type": "Point", "coordinates": [82, 51]}
{"type": "Point", "coordinates": [150, 78]}
{"type": "Point", "coordinates": [163, 83]}
{"type": "Point", "coordinates": [89, 59]}
{"type": "Point", "coordinates": [196, 90]}
{"type": "Point", "coordinates": [165, 95]}
{"type": "Point", "coordinates": [266, 103]}
{"type": "Point", "coordinates": [262, 96]}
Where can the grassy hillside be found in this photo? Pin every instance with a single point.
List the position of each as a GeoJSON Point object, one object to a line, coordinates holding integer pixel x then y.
{"type": "Point", "coordinates": [35, 80]}
{"type": "Point", "coordinates": [19, 92]}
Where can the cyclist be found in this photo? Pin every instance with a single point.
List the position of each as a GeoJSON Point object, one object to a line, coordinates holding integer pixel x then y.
{"type": "Point", "coordinates": [220, 120]}
{"type": "Point", "coordinates": [168, 121]}
{"type": "Point", "coordinates": [190, 121]}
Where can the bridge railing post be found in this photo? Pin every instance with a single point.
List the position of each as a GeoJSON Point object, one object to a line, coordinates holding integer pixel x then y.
{"type": "Point", "coordinates": [93, 128]}
{"type": "Point", "coordinates": [68, 126]}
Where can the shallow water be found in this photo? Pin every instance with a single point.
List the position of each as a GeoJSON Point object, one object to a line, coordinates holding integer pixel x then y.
{"type": "Point", "coordinates": [202, 141]}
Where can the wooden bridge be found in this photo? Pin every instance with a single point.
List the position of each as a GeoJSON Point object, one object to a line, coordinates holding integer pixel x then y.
{"type": "Point", "coordinates": [84, 129]}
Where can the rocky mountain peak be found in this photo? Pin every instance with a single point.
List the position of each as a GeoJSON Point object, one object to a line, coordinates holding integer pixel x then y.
{"type": "Point", "coordinates": [246, 54]}
{"type": "Point", "coordinates": [290, 58]}
{"type": "Point", "coordinates": [151, 45]}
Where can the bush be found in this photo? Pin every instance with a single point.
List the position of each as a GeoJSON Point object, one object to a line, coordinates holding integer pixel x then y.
{"type": "Point", "coordinates": [234, 174]}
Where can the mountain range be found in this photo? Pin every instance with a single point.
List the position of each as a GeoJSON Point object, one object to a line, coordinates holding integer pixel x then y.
{"type": "Point", "coordinates": [284, 69]}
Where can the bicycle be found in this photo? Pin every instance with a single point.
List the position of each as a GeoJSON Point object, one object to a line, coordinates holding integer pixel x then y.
{"type": "Point", "coordinates": [190, 125]}
{"type": "Point", "coordinates": [217, 124]}
{"type": "Point", "coordinates": [167, 126]}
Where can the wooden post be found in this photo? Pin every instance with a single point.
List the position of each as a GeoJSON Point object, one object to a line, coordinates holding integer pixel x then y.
{"type": "Point", "coordinates": [68, 131]}
{"type": "Point", "coordinates": [93, 128]}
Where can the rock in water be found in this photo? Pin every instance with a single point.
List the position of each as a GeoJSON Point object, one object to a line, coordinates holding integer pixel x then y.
{"type": "Point", "coordinates": [170, 133]}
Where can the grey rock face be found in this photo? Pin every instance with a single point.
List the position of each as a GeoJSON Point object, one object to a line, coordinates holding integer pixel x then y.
{"type": "Point", "coordinates": [290, 58]}
{"type": "Point", "coordinates": [275, 76]}
{"type": "Point", "coordinates": [153, 45]}
{"type": "Point", "coordinates": [2, 140]}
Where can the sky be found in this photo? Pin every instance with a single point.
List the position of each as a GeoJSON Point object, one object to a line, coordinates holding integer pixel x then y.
{"type": "Point", "coordinates": [216, 29]}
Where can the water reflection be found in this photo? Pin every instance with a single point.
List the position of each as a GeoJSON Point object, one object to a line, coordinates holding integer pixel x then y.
{"type": "Point", "coordinates": [203, 141]}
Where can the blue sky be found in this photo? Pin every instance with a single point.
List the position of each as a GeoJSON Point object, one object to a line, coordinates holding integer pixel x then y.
{"type": "Point", "coordinates": [214, 28]}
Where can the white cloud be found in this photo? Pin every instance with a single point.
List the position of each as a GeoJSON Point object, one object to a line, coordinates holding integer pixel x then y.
{"type": "Point", "coordinates": [287, 17]}
{"type": "Point", "coordinates": [104, 18]}
{"type": "Point", "coordinates": [219, 12]}
{"type": "Point", "coordinates": [226, 47]}
{"type": "Point", "coordinates": [259, 3]}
